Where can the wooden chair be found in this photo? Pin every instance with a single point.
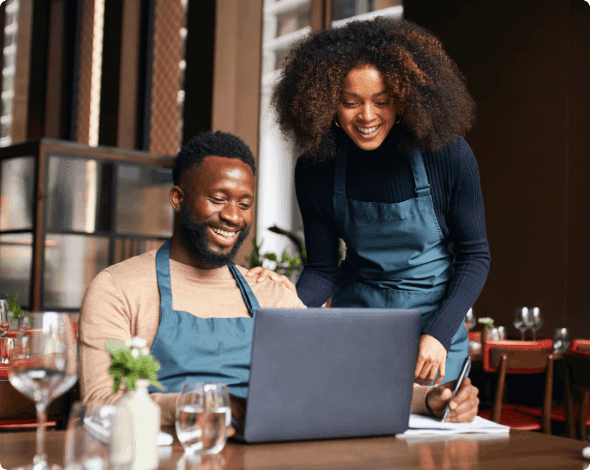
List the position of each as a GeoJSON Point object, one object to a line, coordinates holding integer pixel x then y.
{"type": "Point", "coordinates": [577, 377]}
{"type": "Point", "coordinates": [519, 357]}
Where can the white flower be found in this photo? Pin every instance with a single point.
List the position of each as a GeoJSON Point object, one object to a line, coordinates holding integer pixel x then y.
{"type": "Point", "coordinates": [136, 342]}
{"type": "Point", "coordinates": [486, 321]}
{"type": "Point", "coordinates": [134, 353]}
{"type": "Point", "coordinates": [145, 351]}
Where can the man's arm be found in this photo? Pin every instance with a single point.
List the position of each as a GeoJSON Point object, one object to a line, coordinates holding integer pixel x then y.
{"type": "Point", "coordinates": [106, 314]}
{"type": "Point", "coordinates": [463, 406]}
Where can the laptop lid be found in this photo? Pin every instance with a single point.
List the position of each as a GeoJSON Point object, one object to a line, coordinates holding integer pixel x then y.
{"type": "Point", "coordinates": [330, 373]}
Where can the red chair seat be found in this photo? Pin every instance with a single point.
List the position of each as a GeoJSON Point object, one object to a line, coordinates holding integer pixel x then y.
{"type": "Point", "coordinates": [557, 413]}
{"type": "Point", "coordinates": [514, 419]}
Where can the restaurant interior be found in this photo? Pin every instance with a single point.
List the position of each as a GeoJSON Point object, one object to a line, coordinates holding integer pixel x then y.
{"type": "Point", "coordinates": [99, 95]}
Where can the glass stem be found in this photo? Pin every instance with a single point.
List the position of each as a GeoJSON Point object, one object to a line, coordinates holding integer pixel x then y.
{"type": "Point", "coordinates": [534, 334]}
{"type": "Point", "coordinates": [40, 455]}
{"type": "Point", "coordinates": [522, 335]}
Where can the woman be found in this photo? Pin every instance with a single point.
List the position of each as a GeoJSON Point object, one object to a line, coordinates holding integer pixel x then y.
{"type": "Point", "coordinates": [379, 107]}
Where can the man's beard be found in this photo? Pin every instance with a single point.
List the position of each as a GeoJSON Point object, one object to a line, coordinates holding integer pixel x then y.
{"type": "Point", "coordinates": [195, 238]}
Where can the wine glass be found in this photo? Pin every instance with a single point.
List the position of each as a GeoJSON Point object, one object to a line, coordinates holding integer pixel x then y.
{"type": "Point", "coordinates": [536, 320]}
{"type": "Point", "coordinates": [203, 417]}
{"type": "Point", "coordinates": [561, 339]}
{"type": "Point", "coordinates": [521, 320]}
{"type": "Point", "coordinates": [470, 320]}
{"type": "Point", "coordinates": [43, 367]}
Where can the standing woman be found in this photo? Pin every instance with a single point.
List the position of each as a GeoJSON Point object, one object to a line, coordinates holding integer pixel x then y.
{"type": "Point", "coordinates": [379, 108]}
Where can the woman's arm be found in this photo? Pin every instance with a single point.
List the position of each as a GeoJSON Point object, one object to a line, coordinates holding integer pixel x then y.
{"type": "Point", "coordinates": [314, 185]}
{"type": "Point", "coordinates": [466, 223]}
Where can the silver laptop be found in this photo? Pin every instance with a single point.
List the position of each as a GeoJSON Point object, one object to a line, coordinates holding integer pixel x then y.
{"type": "Point", "coordinates": [331, 373]}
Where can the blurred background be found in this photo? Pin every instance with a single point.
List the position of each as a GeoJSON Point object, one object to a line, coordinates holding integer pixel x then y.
{"type": "Point", "coordinates": [99, 95]}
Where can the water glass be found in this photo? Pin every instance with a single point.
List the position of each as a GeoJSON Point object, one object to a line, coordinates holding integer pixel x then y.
{"type": "Point", "coordinates": [561, 339]}
{"type": "Point", "coordinates": [84, 449]}
{"type": "Point", "coordinates": [203, 417]}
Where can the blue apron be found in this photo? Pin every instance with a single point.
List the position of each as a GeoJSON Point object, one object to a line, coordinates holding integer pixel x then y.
{"type": "Point", "coordinates": [396, 255]}
{"type": "Point", "coordinates": [202, 349]}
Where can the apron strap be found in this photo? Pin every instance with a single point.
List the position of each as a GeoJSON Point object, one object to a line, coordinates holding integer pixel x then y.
{"type": "Point", "coordinates": [420, 178]}
{"type": "Point", "coordinates": [249, 297]}
{"type": "Point", "coordinates": [163, 275]}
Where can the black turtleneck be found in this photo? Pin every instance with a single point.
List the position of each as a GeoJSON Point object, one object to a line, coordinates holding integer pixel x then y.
{"type": "Point", "coordinates": [385, 175]}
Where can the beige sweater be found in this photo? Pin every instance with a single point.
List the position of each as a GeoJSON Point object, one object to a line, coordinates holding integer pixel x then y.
{"type": "Point", "coordinates": [123, 301]}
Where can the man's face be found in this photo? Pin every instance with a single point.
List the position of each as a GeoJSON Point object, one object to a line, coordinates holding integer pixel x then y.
{"type": "Point", "coordinates": [217, 211]}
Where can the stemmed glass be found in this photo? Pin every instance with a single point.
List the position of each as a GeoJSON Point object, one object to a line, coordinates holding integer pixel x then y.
{"type": "Point", "coordinates": [43, 367]}
{"type": "Point", "coordinates": [521, 320]}
{"type": "Point", "coordinates": [470, 320]}
{"type": "Point", "coordinates": [535, 321]}
{"type": "Point", "coordinates": [203, 417]}
{"type": "Point", "coordinates": [561, 339]}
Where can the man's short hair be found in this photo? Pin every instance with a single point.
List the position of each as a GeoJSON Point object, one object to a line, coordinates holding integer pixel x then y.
{"type": "Point", "coordinates": [222, 144]}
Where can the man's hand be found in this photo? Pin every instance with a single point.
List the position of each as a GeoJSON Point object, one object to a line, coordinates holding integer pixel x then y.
{"type": "Point", "coordinates": [238, 411]}
{"type": "Point", "coordinates": [463, 406]}
{"type": "Point", "coordinates": [264, 273]}
{"type": "Point", "coordinates": [432, 357]}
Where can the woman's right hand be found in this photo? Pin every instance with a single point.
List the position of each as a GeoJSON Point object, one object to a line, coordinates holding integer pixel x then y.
{"type": "Point", "coordinates": [265, 273]}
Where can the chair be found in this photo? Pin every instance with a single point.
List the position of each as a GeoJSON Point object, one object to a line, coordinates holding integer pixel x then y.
{"type": "Point", "coordinates": [519, 357]}
{"type": "Point", "coordinates": [577, 377]}
{"type": "Point", "coordinates": [559, 413]}
{"type": "Point", "coordinates": [474, 336]}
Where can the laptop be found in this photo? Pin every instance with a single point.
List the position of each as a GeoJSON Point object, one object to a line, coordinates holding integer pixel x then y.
{"type": "Point", "coordinates": [323, 373]}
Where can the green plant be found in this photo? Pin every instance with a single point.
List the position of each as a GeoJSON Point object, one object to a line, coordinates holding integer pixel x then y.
{"type": "Point", "coordinates": [13, 307]}
{"type": "Point", "coordinates": [286, 264]}
{"type": "Point", "coordinates": [486, 321]}
{"type": "Point", "coordinates": [132, 361]}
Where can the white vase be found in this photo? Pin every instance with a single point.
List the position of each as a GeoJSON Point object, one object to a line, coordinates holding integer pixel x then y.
{"type": "Point", "coordinates": [136, 429]}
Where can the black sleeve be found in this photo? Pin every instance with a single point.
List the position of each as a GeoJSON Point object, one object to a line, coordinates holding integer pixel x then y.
{"type": "Point", "coordinates": [466, 223]}
{"type": "Point", "coordinates": [314, 186]}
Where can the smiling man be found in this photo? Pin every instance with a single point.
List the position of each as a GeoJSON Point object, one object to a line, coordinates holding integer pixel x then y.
{"type": "Point", "coordinates": [188, 299]}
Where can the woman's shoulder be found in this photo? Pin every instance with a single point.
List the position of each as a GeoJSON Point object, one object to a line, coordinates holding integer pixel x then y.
{"type": "Point", "coordinates": [310, 167]}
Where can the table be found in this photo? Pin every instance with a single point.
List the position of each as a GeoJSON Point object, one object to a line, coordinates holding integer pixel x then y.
{"type": "Point", "coordinates": [518, 450]}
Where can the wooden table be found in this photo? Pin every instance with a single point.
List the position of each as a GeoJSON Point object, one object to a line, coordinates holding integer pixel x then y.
{"type": "Point", "coordinates": [519, 450]}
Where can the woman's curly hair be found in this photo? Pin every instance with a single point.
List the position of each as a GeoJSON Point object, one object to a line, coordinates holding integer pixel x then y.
{"type": "Point", "coordinates": [425, 85]}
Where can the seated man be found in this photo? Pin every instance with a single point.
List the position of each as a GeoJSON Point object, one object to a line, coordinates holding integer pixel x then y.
{"type": "Point", "coordinates": [188, 299]}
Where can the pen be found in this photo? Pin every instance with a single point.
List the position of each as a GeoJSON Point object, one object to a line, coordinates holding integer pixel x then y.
{"type": "Point", "coordinates": [464, 372]}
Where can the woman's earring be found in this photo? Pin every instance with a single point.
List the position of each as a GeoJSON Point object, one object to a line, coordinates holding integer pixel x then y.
{"type": "Point", "coordinates": [398, 120]}
{"type": "Point", "coordinates": [336, 121]}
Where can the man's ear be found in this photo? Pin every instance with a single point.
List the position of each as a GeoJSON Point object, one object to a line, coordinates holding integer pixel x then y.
{"type": "Point", "coordinates": [176, 197]}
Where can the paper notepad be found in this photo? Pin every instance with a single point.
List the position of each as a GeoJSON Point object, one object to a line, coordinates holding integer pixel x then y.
{"type": "Point", "coordinates": [427, 425]}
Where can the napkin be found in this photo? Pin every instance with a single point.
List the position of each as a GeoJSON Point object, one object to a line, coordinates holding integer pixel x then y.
{"type": "Point", "coordinates": [103, 433]}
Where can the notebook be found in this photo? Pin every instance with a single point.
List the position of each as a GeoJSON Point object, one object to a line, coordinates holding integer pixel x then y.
{"type": "Point", "coordinates": [331, 373]}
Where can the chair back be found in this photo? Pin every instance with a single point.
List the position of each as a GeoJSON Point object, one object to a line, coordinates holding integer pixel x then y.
{"type": "Point", "coordinates": [581, 345]}
{"type": "Point", "coordinates": [514, 357]}
{"type": "Point", "coordinates": [523, 357]}
{"type": "Point", "coordinates": [474, 336]}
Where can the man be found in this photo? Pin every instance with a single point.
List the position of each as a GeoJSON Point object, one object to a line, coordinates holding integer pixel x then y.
{"type": "Point", "coordinates": [188, 300]}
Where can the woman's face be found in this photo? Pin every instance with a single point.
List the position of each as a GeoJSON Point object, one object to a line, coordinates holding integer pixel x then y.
{"type": "Point", "coordinates": [366, 111]}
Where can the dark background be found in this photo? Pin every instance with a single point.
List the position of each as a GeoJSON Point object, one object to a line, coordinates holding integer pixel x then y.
{"type": "Point", "coordinates": [527, 65]}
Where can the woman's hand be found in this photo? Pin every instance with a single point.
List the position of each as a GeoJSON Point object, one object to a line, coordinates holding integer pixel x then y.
{"type": "Point", "coordinates": [264, 273]}
{"type": "Point", "coordinates": [432, 357]}
{"type": "Point", "coordinates": [463, 406]}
